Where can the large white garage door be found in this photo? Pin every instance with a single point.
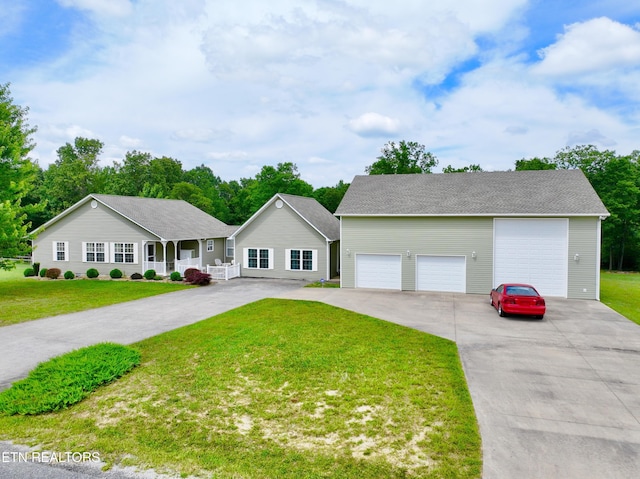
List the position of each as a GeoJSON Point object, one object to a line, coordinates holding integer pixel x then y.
{"type": "Point", "coordinates": [532, 251]}
{"type": "Point", "coordinates": [441, 273]}
{"type": "Point", "coordinates": [381, 271]}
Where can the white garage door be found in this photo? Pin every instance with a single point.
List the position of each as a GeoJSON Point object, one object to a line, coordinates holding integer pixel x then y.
{"type": "Point", "coordinates": [381, 271]}
{"type": "Point", "coordinates": [441, 273]}
{"type": "Point", "coordinates": [532, 251]}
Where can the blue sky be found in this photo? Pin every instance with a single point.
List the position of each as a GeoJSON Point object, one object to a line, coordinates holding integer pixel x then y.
{"type": "Point", "coordinates": [325, 84]}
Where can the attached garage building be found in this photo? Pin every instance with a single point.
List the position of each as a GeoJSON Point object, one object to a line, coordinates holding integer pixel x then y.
{"type": "Point", "coordinates": [469, 232]}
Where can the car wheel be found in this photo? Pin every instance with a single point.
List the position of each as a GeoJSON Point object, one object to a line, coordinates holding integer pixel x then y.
{"type": "Point", "coordinates": [500, 311]}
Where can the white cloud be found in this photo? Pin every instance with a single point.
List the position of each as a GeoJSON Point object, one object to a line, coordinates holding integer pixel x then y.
{"type": "Point", "coordinates": [374, 125]}
{"type": "Point", "coordinates": [591, 137]}
{"type": "Point", "coordinates": [593, 46]}
{"type": "Point", "coordinates": [128, 142]}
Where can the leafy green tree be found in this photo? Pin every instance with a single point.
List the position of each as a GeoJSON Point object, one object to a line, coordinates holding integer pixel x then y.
{"type": "Point", "coordinates": [132, 175]}
{"type": "Point", "coordinates": [535, 164]}
{"type": "Point", "coordinates": [193, 195]}
{"type": "Point", "coordinates": [401, 158]}
{"type": "Point", "coordinates": [282, 179]}
{"type": "Point", "coordinates": [17, 174]}
{"type": "Point", "coordinates": [331, 196]}
{"type": "Point", "coordinates": [464, 169]}
{"type": "Point", "coordinates": [73, 175]}
{"type": "Point", "coordinates": [164, 173]}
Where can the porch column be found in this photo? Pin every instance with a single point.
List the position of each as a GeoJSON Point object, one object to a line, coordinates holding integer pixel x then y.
{"type": "Point", "coordinates": [176, 254]}
{"type": "Point", "coordinates": [164, 255]}
{"type": "Point", "coordinates": [200, 254]}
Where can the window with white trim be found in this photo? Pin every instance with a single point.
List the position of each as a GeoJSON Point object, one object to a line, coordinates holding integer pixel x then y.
{"type": "Point", "coordinates": [94, 252]}
{"type": "Point", "coordinates": [230, 246]}
{"type": "Point", "coordinates": [60, 251]}
{"type": "Point", "coordinates": [258, 258]}
{"type": "Point", "coordinates": [124, 253]}
{"type": "Point", "coordinates": [301, 259]}
{"type": "Point", "coordinates": [210, 245]}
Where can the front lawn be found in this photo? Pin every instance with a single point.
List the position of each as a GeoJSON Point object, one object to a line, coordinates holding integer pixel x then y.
{"type": "Point", "coordinates": [621, 292]}
{"type": "Point", "coordinates": [278, 388]}
{"type": "Point", "coordinates": [30, 298]}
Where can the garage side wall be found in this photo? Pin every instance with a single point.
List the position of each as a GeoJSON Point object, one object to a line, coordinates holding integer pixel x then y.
{"type": "Point", "coordinates": [583, 272]}
{"type": "Point", "coordinates": [420, 236]}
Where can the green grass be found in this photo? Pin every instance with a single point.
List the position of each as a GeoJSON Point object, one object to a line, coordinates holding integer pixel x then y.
{"type": "Point", "coordinates": [26, 299]}
{"type": "Point", "coordinates": [621, 292]}
{"type": "Point", "coordinates": [278, 388]}
{"type": "Point", "coordinates": [326, 284]}
{"type": "Point", "coordinates": [67, 379]}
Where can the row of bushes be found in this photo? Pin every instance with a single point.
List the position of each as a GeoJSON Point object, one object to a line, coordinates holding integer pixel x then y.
{"type": "Point", "coordinates": [191, 275]}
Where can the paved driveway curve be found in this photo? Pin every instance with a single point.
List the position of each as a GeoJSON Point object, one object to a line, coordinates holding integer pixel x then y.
{"type": "Point", "coordinates": [557, 398]}
{"type": "Point", "coordinates": [24, 345]}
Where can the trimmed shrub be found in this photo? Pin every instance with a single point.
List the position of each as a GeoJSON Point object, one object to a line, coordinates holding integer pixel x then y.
{"type": "Point", "coordinates": [175, 276]}
{"type": "Point", "coordinates": [199, 278]}
{"type": "Point", "coordinates": [150, 274]}
{"type": "Point", "coordinates": [69, 275]}
{"type": "Point", "coordinates": [136, 276]}
{"type": "Point", "coordinates": [92, 273]}
{"type": "Point", "coordinates": [36, 269]}
{"type": "Point", "coordinates": [115, 273]}
{"type": "Point", "coordinates": [189, 272]}
{"type": "Point", "coordinates": [53, 273]}
{"type": "Point", "coordinates": [43, 272]}
{"type": "Point", "coordinates": [65, 380]}
{"type": "Point", "coordinates": [29, 272]}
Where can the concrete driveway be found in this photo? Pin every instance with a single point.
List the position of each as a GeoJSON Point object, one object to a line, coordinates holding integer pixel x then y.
{"type": "Point", "coordinates": [24, 345]}
{"type": "Point", "coordinates": [557, 398]}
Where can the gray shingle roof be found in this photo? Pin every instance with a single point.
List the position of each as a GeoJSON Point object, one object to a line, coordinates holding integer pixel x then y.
{"type": "Point", "coordinates": [316, 214]}
{"type": "Point", "coordinates": [168, 219]}
{"type": "Point", "coordinates": [502, 193]}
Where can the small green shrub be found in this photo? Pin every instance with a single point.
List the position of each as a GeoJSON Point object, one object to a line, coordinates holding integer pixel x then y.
{"type": "Point", "coordinates": [175, 276]}
{"type": "Point", "coordinates": [69, 275]}
{"type": "Point", "coordinates": [92, 273]}
{"type": "Point", "coordinates": [136, 276]}
{"type": "Point", "coordinates": [43, 272]}
{"type": "Point", "coordinates": [29, 272]}
{"type": "Point", "coordinates": [115, 273]}
{"type": "Point", "coordinates": [36, 268]}
{"type": "Point", "coordinates": [150, 274]}
{"type": "Point", "coordinates": [65, 380]}
{"type": "Point", "coordinates": [53, 273]}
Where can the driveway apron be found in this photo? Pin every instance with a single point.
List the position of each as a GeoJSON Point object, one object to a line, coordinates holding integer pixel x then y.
{"type": "Point", "coordinates": [24, 345]}
{"type": "Point", "coordinates": [557, 398]}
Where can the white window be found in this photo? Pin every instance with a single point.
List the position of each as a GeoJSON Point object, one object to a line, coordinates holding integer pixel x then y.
{"type": "Point", "coordinates": [301, 259]}
{"type": "Point", "coordinates": [230, 245]}
{"type": "Point", "coordinates": [124, 253]}
{"type": "Point", "coordinates": [258, 258]}
{"type": "Point", "coordinates": [210, 245]}
{"type": "Point", "coordinates": [94, 252]}
{"type": "Point", "coordinates": [60, 251]}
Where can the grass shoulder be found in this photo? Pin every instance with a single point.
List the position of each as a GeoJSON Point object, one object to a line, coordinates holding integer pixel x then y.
{"type": "Point", "coordinates": [621, 292]}
{"type": "Point", "coordinates": [279, 388]}
{"type": "Point", "coordinates": [27, 299]}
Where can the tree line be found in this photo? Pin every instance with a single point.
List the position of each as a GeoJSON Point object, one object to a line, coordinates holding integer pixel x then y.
{"type": "Point", "coordinates": [30, 195]}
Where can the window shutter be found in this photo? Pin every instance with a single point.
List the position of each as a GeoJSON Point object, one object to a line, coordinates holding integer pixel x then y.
{"type": "Point", "coordinates": [84, 252]}
{"type": "Point", "coordinates": [287, 259]}
{"type": "Point", "coordinates": [67, 253]}
{"type": "Point", "coordinates": [112, 252]}
{"type": "Point", "coordinates": [314, 259]}
{"type": "Point", "coordinates": [135, 253]}
{"type": "Point", "coordinates": [270, 258]}
{"type": "Point", "coordinates": [245, 257]}
{"type": "Point", "coordinates": [54, 247]}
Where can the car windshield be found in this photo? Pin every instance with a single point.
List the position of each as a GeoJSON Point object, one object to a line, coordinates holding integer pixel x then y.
{"type": "Point", "coordinates": [521, 291]}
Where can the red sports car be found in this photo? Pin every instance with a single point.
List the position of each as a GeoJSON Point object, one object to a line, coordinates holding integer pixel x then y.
{"type": "Point", "coordinates": [518, 299]}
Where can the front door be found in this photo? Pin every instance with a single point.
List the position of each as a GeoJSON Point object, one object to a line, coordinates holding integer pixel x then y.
{"type": "Point", "coordinates": [151, 252]}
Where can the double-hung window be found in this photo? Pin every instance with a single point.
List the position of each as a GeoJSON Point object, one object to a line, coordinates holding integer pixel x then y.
{"type": "Point", "coordinates": [258, 258]}
{"type": "Point", "coordinates": [60, 251]}
{"type": "Point", "coordinates": [210, 245]}
{"type": "Point", "coordinates": [124, 252]}
{"type": "Point", "coordinates": [301, 259]}
{"type": "Point", "coordinates": [94, 252]}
